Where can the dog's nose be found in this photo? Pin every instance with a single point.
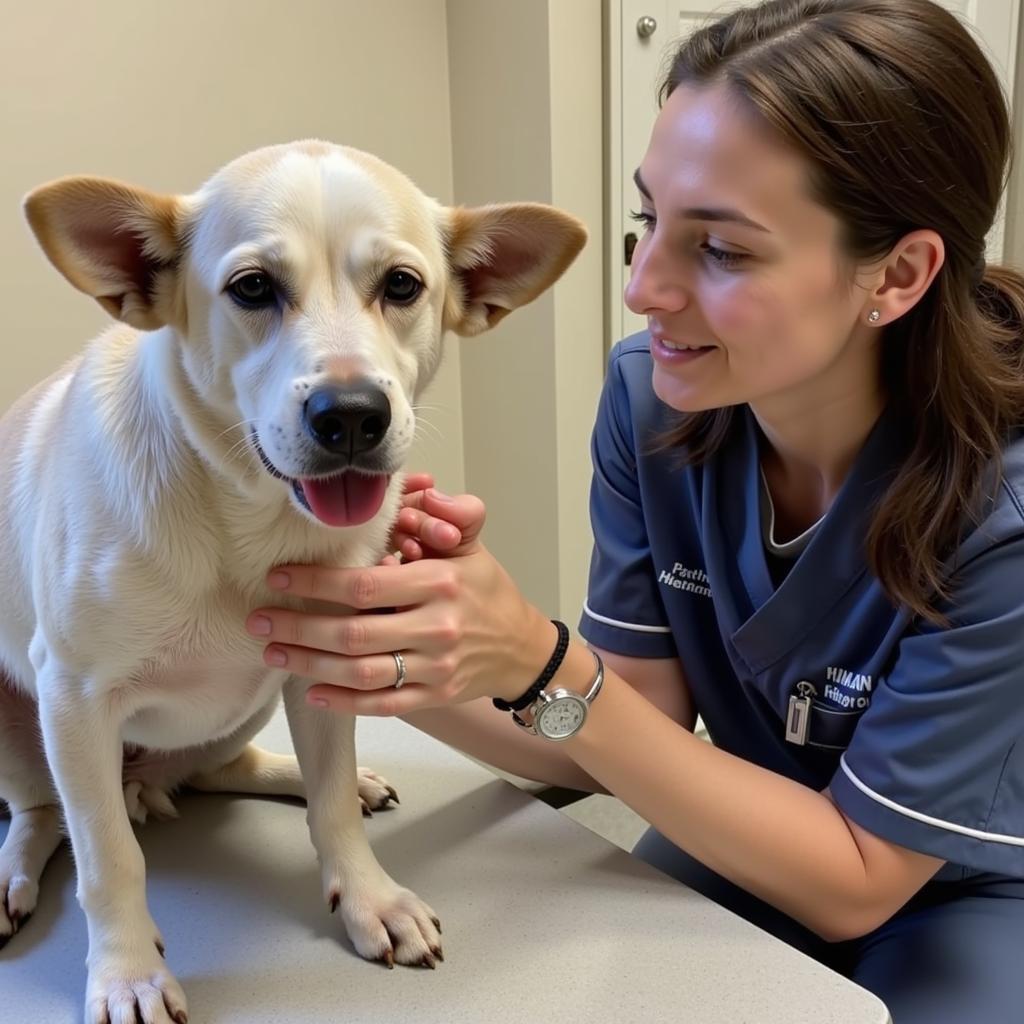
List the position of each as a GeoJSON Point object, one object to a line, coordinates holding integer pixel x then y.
{"type": "Point", "coordinates": [347, 420]}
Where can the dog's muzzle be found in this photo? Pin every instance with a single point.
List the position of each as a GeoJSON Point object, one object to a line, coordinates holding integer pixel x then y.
{"type": "Point", "coordinates": [347, 432]}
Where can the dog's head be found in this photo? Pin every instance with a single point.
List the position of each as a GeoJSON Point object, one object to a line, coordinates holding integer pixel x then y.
{"type": "Point", "coordinates": [308, 287]}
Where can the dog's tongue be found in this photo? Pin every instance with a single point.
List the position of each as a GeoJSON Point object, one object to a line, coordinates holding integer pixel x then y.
{"type": "Point", "coordinates": [346, 500]}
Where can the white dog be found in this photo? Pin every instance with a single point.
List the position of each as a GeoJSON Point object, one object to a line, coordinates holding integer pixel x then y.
{"type": "Point", "coordinates": [255, 407]}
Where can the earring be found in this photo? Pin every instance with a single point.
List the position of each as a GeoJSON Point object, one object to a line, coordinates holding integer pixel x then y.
{"type": "Point", "coordinates": [874, 316]}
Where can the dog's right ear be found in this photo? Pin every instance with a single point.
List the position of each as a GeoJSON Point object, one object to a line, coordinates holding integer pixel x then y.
{"type": "Point", "coordinates": [119, 244]}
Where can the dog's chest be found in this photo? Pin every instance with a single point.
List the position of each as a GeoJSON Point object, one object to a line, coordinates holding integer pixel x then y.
{"type": "Point", "coordinates": [191, 702]}
{"type": "Point", "coordinates": [204, 682]}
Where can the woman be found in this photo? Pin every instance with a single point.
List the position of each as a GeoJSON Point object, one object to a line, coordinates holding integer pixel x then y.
{"type": "Point", "coordinates": [808, 508]}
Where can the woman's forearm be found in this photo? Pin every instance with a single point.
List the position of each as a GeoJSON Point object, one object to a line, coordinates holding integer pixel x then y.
{"type": "Point", "coordinates": [776, 838]}
{"type": "Point", "coordinates": [479, 729]}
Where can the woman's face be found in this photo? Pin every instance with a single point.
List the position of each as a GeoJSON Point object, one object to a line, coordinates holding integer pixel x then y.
{"type": "Point", "coordinates": [739, 272]}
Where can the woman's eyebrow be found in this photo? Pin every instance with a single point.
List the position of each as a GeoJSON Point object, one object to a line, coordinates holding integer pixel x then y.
{"type": "Point", "coordinates": [704, 213]}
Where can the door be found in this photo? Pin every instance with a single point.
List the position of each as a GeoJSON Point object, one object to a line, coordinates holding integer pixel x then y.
{"type": "Point", "coordinates": [641, 34]}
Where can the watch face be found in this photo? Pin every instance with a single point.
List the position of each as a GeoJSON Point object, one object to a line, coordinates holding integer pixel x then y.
{"type": "Point", "coordinates": [562, 717]}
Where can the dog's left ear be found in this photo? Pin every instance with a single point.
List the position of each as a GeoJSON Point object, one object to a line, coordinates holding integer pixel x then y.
{"type": "Point", "coordinates": [115, 242]}
{"type": "Point", "coordinates": [503, 257]}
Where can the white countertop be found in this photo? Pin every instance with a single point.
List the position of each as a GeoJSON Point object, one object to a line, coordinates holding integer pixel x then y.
{"type": "Point", "coordinates": [543, 920]}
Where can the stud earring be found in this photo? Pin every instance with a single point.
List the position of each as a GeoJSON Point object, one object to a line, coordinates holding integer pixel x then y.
{"type": "Point", "coordinates": [874, 316]}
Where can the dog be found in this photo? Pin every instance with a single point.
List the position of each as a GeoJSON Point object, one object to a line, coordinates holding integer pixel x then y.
{"type": "Point", "coordinates": [253, 406]}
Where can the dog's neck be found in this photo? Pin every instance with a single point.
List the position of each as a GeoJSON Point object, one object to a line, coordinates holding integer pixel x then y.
{"type": "Point", "coordinates": [217, 441]}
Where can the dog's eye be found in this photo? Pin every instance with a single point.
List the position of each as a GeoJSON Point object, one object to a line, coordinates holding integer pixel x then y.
{"type": "Point", "coordinates": [401, 287]}
{"type": "Point", "coordinates": [253, 290]}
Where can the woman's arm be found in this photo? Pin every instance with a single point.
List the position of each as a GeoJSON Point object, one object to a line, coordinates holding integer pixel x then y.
{"type": "Point", "coordinates": [780, 840]}
{"type": "Point", "coordinates": [479, 729]}
{"type": "Point", "coordinates": [467, 633]}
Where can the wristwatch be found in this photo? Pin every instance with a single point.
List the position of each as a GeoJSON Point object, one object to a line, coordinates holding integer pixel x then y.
{"type": "Point", "coordinates": [560, 714]}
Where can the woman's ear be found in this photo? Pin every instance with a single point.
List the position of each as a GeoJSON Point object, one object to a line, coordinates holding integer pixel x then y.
{"type": "Point", "coordinates": [908, 272]}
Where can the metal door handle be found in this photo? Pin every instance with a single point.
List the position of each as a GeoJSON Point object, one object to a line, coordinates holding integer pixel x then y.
{"type": "Point", "coordinates": [646, 27]}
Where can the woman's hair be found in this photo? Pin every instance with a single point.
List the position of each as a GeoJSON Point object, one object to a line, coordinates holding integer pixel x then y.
{"type": "Point", "coordinates": [903, 123]}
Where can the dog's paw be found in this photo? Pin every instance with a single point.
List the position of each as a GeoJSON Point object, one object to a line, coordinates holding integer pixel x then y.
{"type": "Point", "coordinates": [137, 988]}
{"type": "Point", "coordinates": [375, 792]}
{"type": "Point", "coordinates": [30, 842]}
{"type": "Point", "coordinates": [18, 895]}
{"type": "Point", "coordinates": [388, 923]}
{"type": "Point", "coordinates": [142, 801]}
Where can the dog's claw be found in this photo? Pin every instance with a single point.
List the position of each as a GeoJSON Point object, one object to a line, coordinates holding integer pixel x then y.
{"type": "Point", "coordinates": [18, 922]}
{"type": "Point", "coordinates": [437, 924]}
{"type": "Point", "coordinates": [436, 950]}
{"type": "Point", "coordinates": [388, 959]}
{"type": "Point", "coordinates": [181, 1017]}
{"type": "Point", "coordinates": [375, 792]}
{"type": "Point", "coordinates": [334, 901]}
{"type": "Point", "coordinates": [161, 949]}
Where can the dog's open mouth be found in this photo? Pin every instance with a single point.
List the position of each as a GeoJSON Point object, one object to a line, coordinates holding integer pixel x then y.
{"type": "Point", "coordinates": [349, 498]}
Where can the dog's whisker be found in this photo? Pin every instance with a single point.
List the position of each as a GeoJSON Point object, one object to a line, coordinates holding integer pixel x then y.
{"type": "Point", "coordinates": [235, 426]}
{"type": "Point", "coordinates": [241, 443]}
{"type": "Point", "coordinates": [426, 425]}
{"type": "Point", "coordinates": [420, 409]}
{"type": "Point", "coordinates": [239, 450]}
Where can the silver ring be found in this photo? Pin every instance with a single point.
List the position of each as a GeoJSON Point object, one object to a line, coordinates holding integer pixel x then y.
{"type": "Point", "coordinates": [400, 665]}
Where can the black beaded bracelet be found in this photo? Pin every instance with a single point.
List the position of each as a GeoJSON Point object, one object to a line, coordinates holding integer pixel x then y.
{"type": "Point", "coordinates": [544, 678]}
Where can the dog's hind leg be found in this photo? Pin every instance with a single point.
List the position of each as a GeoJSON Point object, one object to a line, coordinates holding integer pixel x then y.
{"type": "Point", "coordinates": [263, 773]}
{"type": "Point", "coordinates": [33, 836]}
{"type": "Point", "coordinates": [254, 771]}
{"type": "Point", "coordinates": [35, 829]}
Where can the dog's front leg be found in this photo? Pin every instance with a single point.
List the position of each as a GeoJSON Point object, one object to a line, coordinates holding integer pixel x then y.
{"type": "Point", "coordinates": [384, 921]}
{"type": "Point", "coordinates": [128, 978]}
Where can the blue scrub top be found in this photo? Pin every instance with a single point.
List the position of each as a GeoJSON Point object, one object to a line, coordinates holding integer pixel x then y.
{"type": "Point", "coordinates": [917, 730]}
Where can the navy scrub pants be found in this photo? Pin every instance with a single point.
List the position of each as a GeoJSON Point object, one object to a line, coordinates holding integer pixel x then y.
{"type": "Point", "coordinates": [953, 955]}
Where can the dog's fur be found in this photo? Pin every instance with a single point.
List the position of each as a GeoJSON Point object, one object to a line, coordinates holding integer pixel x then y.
{"type": "Point", "coordinates": [147, 488]}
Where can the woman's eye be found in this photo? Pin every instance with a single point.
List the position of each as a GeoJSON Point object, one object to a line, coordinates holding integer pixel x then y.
{"type": "Point", "coordinates": [402, 287]}
{"type": "Point", "coordinates": [722, 257]}
{"type": "Point", "coordinates": [647, 219]}
{"type": "Point", "coordinates": [253, 290]}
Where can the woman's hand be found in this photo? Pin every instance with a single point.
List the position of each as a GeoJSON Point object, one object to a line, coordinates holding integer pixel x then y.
{"type": "Point", "coordinates": [431, 524]}
{"type": "Point", "coordinates": [462, 627]}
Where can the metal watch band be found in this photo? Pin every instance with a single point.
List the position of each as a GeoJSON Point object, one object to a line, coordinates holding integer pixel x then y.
{"type": "Point", "coordinates": [589, 697]}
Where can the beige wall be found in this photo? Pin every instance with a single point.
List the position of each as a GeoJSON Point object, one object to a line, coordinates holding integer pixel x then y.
{"type": "Point", "coordinates": [576, 71]}
{"type": "Point", "coordinates": [162, 93]}
{"type": "Point", "coordinates": [526, 124]}
{"type": "Point", "coordinates": [1015, 193]}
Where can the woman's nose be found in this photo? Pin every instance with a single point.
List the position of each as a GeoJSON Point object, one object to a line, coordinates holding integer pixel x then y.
{"type": "Point", "coordinates": [654, 282]}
